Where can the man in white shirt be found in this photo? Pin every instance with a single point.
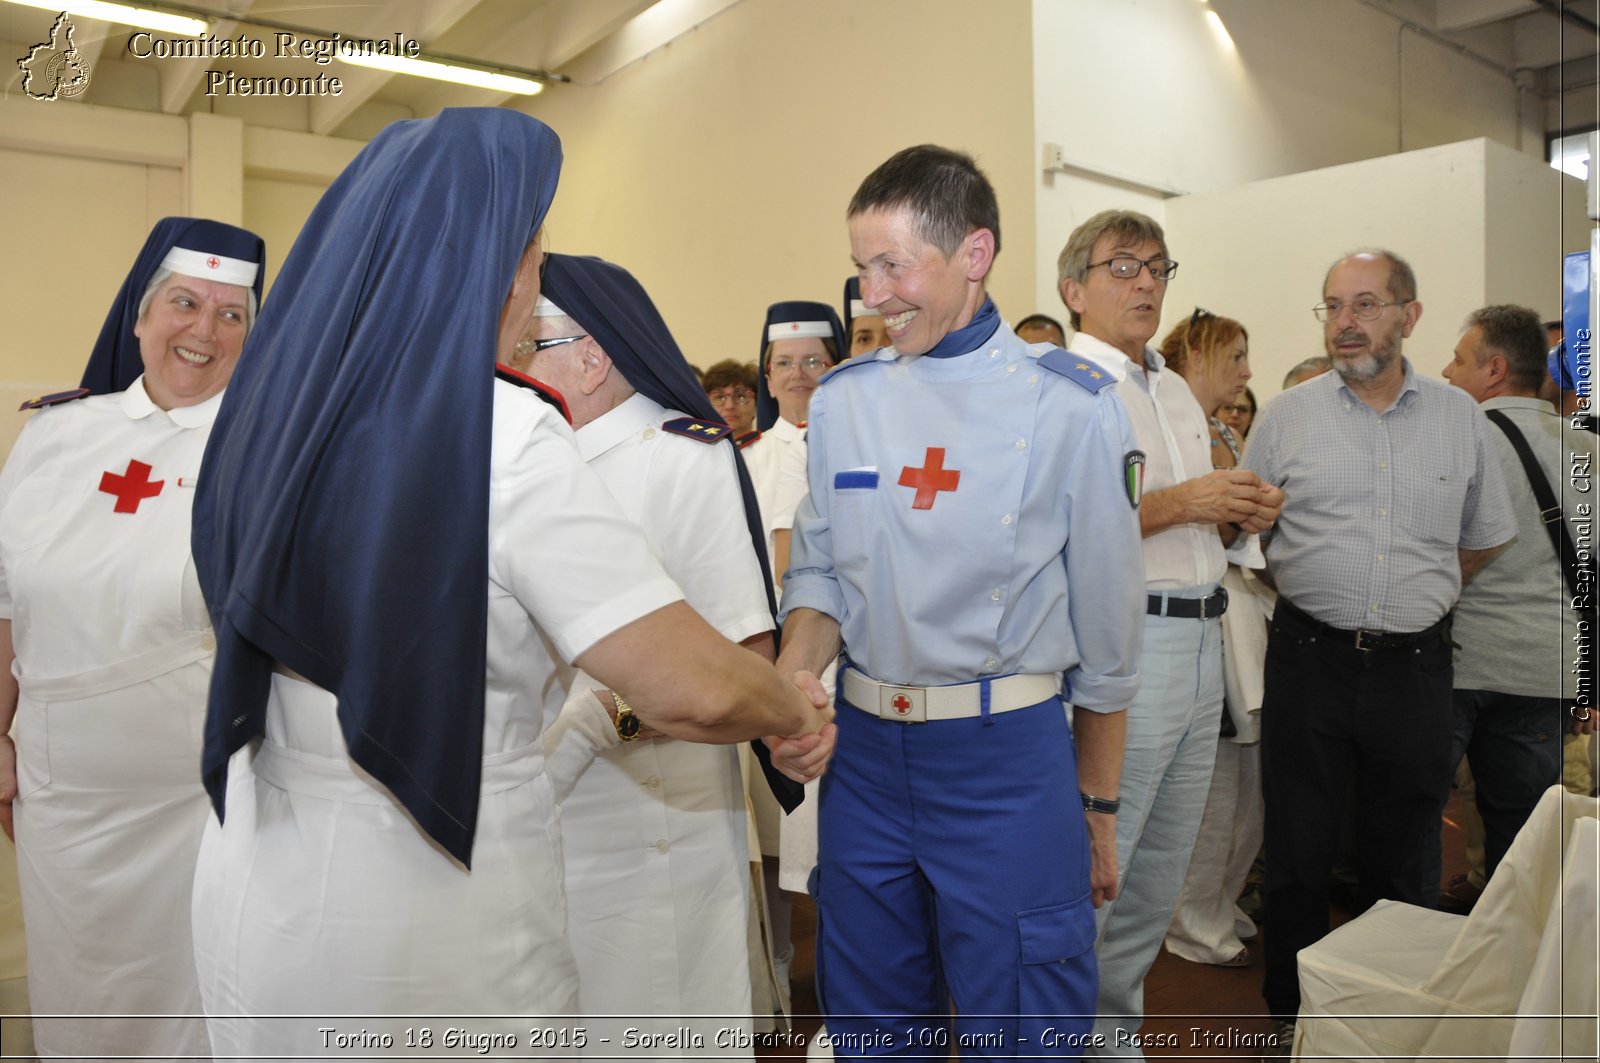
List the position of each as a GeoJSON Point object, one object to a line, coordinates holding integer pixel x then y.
{"type": "Point", "coordinates": [1113, 277]}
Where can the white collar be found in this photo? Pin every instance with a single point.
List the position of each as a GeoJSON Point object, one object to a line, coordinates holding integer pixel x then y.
{"type": "Point", "coordinates": [137, 404]}
{"type": "Point", "coordinates": [1113, 360]}
{"type": "Point", "coordinates": [629, 418]}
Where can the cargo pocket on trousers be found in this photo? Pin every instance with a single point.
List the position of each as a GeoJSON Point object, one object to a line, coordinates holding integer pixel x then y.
{"type": "Point", "coordinates": [1055, 975]}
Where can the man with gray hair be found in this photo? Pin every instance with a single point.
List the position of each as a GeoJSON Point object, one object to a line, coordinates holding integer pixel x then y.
{"type": "Point", "coordinates": [1113, 278]}
{"type": "Point", "coordinates": [1398, 502]}
{"type": "Point", "coordinates": [1515, 694]}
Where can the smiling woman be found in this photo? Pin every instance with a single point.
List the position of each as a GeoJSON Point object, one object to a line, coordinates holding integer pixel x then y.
{"type": "Point", "coordinates": [105, 652]}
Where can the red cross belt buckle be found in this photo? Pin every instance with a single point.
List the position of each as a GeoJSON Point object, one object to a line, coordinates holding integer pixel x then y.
{"type": "Point", "coordinates": [906, 704]}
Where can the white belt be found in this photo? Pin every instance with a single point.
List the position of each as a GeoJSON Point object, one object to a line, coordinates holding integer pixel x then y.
{"type": "Point", "coordinates": [187, 649]}
{"type": "Point", "coordinates": [959, 701]}
{"type": "Point", "coordinates": [297, 771]}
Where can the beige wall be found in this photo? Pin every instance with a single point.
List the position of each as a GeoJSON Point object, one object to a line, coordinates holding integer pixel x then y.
{"type": "Point", "coordinates": [718, 169]}
{"type": "Point", "coordinates": [1478, 222]}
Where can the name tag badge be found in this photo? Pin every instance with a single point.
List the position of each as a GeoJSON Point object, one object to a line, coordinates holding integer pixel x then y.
{"type": "Point", "coordinates": [862, 479]}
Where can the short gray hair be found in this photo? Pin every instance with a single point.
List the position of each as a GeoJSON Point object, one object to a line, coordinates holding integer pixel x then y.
{"type": "Point", "coordinates": [163, 274]}
{"type": "Point", "coordinates": [1515, 334]}
{"type": "Point", "coordinates": [1127, 225]}
{"type": "Point", "coordinates": [1313, 366]}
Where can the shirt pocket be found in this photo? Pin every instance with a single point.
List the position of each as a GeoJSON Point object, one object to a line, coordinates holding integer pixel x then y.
{"type": "Point", "coordinates": [854, 501]}
{"type": "Point", "coordinates": [1430, 494]}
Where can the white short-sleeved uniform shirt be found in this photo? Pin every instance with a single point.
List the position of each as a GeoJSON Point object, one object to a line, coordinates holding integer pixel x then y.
{"type": "Point", "coordinates": [655, 831]}
{"type": "Point", "coordinates": [303, 896]}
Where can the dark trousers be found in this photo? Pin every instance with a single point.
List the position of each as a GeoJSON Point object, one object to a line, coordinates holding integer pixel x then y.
{"type": "Point", "coordinates": [1335, 717]}
{"type": "Point", "coordinates": [1513, 745]}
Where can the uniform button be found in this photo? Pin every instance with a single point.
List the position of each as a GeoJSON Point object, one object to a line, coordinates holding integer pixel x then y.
{"type": "Point", "coordinates": [1033, 378]}
{"type": "Point", "coordinates": [1383, 512]}
{"type": "Point", "coordinates": [1022, 444]}
{"type": "Point", "coordinates": [994, 352]}
{"type": "Point", "coordinates": [208, 642]}
{"type": "Point", "coordinates": [1006, 519]}
{"type": "Point", "coordinates": [990, 665]}
{"type": "Point", "coordinates": [997, 595]}
{"type": "Point", "coordinates": [661, 845]}
{"type": "Point", "coordinates": [653, 783]}
{"type": "Point", "coordinates": [1380, 557]}
{"type": "Point", "coordinates": [1383, 465]}
{"type": "Point", "coordinates": [1011, 369]}
{"type": "Point", "coordinates": [649, 433]}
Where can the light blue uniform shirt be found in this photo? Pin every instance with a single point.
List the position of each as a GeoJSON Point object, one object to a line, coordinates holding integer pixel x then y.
{"type": "Point", "coordinates": [969, 517]}
{"type": "Point", "coordinates": [1377, 503]}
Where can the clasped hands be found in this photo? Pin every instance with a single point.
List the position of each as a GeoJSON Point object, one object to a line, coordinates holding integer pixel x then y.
{"type": "Point", "coordinates": [1233, 496]}
{"type": "Point", "coordinates": [804, 756]}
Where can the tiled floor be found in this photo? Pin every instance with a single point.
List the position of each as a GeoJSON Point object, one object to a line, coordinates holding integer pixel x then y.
{"type": "Point", "coordinates": [1193, 1011]}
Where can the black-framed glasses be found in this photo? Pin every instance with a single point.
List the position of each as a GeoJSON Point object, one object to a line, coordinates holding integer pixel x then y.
{"type": "Point", "coordinates": [741, 397]}
{"type": "Point", "coordinates": [1126, 267]}
{"type": "Point", "coordinates": [556, 341]}
{"type": "Point", "coordinates": [1364, 307]}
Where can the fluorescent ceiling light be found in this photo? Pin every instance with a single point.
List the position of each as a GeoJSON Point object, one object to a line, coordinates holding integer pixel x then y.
{"type": "Point", "coordinates": [460, 75]}
{"type": "Point", "coordinates": [123, 15]}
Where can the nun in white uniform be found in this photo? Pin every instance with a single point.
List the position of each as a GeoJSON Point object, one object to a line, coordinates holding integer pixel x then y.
{"type": "Point", "coordinates": [392, 589]}
{"type": "Point", "coordinates": [108, 649]}
{"type": "Point", "coordinates": [657, 861]}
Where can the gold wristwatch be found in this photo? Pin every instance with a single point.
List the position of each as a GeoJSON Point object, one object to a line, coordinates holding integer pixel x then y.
{"type": "Point", "coordinates": [628, 725]}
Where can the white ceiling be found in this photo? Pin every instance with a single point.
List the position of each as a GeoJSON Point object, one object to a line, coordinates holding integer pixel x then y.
{"type": "Point", "coordinates": [1550, 44]}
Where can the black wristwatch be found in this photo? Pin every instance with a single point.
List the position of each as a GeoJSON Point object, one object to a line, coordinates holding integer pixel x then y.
{"type": "Point", "coordinates": [1104, 805]}
{"type": "Point", "coordinates": [628, 725]}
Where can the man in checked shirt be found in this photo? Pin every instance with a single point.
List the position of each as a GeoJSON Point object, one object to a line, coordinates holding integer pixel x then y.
{"type": "Point", "coordinates": [1394, 501]}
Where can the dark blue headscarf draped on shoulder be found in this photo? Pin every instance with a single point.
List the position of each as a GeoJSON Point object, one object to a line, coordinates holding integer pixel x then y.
{"type": "Point", "coordinates": [115, 362]}
{"type": "Point", "coordinates": [614, 308]}
{"type": "Point", "coordinates": [609, 304]}
{"type": "Point", "coordinates": [341, 526]}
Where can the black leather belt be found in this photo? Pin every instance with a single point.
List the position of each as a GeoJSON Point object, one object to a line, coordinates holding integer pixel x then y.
{"type": "Point", "coordinates": [1207, 608]}
{"type": "Point", "coordinates": [1362, 638]}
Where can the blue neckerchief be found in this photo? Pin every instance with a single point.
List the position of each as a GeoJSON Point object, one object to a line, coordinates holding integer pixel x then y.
{"type": "Point", "coordinates": [970, 336]}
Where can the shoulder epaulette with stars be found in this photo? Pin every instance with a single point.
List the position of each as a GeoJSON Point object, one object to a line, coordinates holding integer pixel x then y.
{"type": "Point", "coordinates": [1080, 371]}
{"type": "Point", "coordinates": [694, 428]}
{"type": "Point", "coordinates": [55, 398]}
{"type": "Point", "coordinates": [538, 387]}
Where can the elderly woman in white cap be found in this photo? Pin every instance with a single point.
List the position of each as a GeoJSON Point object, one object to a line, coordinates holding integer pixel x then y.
{"type": "Point", "coordinates": [107, 652]}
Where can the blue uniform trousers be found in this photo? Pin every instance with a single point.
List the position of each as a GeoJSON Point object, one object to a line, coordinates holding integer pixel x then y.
{"type": "Point", "coordinates": [953, 865]}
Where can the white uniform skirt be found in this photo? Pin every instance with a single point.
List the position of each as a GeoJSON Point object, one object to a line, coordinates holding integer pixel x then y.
{"type": "Point", "coordinates": [108, 820]}
{"type": "Point", "coordinates": [320, 898]}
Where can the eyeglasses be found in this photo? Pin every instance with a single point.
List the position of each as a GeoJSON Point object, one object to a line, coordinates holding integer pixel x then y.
{"type": "Point", "coordinates": [1126, 267]}
{"type": "Point", "coordinates": [554, 341]}
{"type": "Point", "coordinates": [742, 397]}
{"type": "Point", "coordinates": [810, 363]}
{"type": "Point", "coordinates": [1241, 410]}
{"type": "Point", "coordinates": [1365, 308]}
